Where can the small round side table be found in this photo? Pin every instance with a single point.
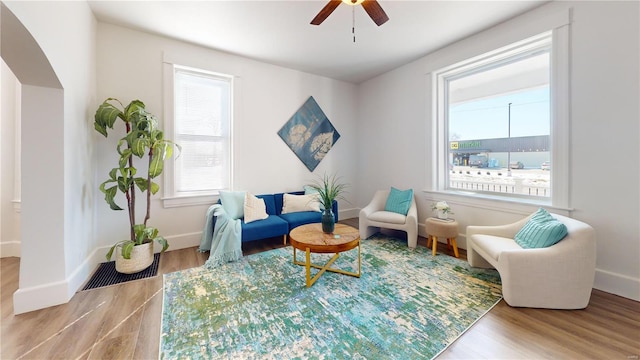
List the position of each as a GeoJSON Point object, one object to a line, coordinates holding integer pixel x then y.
{"type": "Point", "coordinates": [437, 228]}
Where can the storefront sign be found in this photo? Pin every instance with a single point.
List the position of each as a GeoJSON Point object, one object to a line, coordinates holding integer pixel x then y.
{"type": "Point", "coordinates": [474, 144]}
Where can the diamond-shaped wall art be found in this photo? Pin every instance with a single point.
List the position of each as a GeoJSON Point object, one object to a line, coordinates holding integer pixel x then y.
{"type": "Point", "coordinates": [309, 134]}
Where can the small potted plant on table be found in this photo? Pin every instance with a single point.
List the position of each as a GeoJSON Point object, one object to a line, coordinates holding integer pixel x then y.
{"type": "Point", "coordinates": [442, 208]}
{"type": "Point", "coordinates": [329, 189]}
{"type": "Point", "coordinates": [142, 140]}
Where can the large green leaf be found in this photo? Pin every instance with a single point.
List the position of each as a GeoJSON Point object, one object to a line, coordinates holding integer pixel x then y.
{"type": "Point", "coordinates": [141, 183]}
{"type": "Point", "coordinates": [99, 128]}
{"type": "Point", "coordinates": [156, 165]}
{"type": "Point", "coordinates": [110, 253]}
{"type": "Point", "coordinates": [124, 184]}
{"type": "Point", "coordinates": [154, 188]}
{"type": "Point", "coordinates": [157, 135]}
{"type": "Point", "coordinates": [122, 142]}
{"type": "Point", "coordinates": [162, 241]}
{"type": "Point", "coordinates": [139, 233]}
{"type": "Point", "coordinates": [124, 158]}
{"type": "Point", "coordinates": [151, 232]}
{"type": "Point", "coordinates": [109, 196]}
{"type": "Point", "coordinates": [139, 146]}
{"type": "Point", "coordinates": [113, 174]}
{"type": "Point", "coordinates": [133, 110]}
{"type": "Point", "coordinates": [105, 117]}
{"type": "Point", "coordinates": [127, 247]}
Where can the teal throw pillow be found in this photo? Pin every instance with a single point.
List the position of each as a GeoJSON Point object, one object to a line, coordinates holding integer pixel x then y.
{"type": "Point", "coordinates": [542, 230]}
{"type": "Point", "coordinates": [233, 203]}
{"type": "Point", "coordinates": [399, 201]}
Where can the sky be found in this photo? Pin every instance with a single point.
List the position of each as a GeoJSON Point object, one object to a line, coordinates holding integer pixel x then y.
{"type": "Point", "coordinates": [488, 118]}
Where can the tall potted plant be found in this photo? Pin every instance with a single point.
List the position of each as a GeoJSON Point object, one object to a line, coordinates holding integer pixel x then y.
{"type": "Point", "coordinates": [329, 188]}
{"type": "Point", "coordinates": [142, 140]}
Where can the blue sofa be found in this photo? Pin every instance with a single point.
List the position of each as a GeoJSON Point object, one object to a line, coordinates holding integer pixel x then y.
{"type": "Point", "coordinates": [278, 224]}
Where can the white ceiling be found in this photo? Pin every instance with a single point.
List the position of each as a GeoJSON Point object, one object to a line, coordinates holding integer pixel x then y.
{"type": "Point", "coordinates": [278, 32]}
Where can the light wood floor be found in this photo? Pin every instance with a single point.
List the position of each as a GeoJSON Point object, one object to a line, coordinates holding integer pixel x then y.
{"type": "Point", "coordinates": [123, 322]}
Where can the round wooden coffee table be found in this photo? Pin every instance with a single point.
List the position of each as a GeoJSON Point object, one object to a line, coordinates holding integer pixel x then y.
{"type": "Point", "coordinates": [310, 239]}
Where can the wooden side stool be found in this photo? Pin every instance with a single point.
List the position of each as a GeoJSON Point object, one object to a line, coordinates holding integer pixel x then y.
{"type": "Point", "coordinates": [437, 228]}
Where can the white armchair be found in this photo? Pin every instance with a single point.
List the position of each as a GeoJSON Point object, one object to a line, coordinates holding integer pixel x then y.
{"type": "Point", "coordinates": [556, 277]}
{"type": "Point", "coordinates": [373, 217]}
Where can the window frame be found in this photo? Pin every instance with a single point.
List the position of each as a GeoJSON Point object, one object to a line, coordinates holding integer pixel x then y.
{"type": "Point", "coordinates": [559, 114]}
{"type": "Point", "coordinates": [172, 198]}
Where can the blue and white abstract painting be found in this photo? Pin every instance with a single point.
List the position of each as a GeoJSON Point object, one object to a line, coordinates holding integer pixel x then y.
{"type": "Point", "coordinates": [309, 134]}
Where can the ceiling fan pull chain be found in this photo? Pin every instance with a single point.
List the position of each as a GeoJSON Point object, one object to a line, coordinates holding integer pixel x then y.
{"type": "Point", "coordinates": [353, 21]}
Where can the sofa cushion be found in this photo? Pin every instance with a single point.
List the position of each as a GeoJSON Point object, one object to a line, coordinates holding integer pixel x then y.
{"type": "Point", "coordinates": [272, 226]}
{"type": "Point", "coordinates": [542, 230]}
{"type": "Point", "coordinates": [233, 203]}
{"type": "Point", "coordinates": [301, 218]}
{"type": "Point", "coordinates": [493, 246]}
{"type": "Point", "coordinates": [297, 203]}
{"type": "Point", "coordinates": [399, 201]}
{"type": "Point", "coordinates": [269, 202]}
{"type": "Point", "coordinates": [387, 217]}
{"type": "Point", "coordinates": [254, 208]}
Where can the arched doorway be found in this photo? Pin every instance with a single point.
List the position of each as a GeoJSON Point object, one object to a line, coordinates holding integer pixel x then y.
{"type": "Point", "coordinates": [42, 107]}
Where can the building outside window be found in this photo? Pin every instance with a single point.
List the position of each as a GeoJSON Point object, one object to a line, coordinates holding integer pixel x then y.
{"type": "Point", "coordinates": [494, 120]}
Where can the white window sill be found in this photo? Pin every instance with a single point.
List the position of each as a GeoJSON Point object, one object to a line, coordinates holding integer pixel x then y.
{"type": "Point", "coordinates": [493, 202]}
{"type": "Point", "coordinates": [192, 200]}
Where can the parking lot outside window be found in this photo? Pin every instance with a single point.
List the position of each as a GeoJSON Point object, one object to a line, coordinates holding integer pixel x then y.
{"type": "Point", "coordinates": [500, 119]}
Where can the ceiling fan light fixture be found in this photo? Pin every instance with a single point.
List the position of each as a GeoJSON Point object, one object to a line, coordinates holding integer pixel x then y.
{"type": "Point", "coordinates": [352, 2]}
{"type": "Point", "coordinates": [371, 7]}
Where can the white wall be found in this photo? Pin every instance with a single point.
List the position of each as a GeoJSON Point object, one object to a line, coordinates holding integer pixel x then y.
{"type": "Point", "coordinates": [9, 210]}
{"type": "Point", "coordinates": [268, 96]}
{"type": "Point", "coordinates": [395, 110]}
{"type": "Point", "coordinates": [58, 193]}
{"type": "Point", "coordinates": [385, 136]}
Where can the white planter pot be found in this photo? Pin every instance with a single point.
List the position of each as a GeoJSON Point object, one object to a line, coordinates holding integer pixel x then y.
{"type": "Point", "coordinates": [443, 215]}
{"type": "Point", "coordinates": [141, 258]}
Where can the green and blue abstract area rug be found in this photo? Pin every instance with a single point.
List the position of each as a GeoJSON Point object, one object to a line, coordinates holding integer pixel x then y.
{"type": "Point", "coordinates": [407, 304]}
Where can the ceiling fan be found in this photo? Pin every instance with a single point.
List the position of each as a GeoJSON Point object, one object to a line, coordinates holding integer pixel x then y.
{"type": "Point", "coordinates": [370, 6]}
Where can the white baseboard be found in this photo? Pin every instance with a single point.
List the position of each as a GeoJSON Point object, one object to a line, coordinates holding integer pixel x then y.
{"type": "Point", "coordinates": [617, 284]}
{"type": "Point", "coordinates": [348, 213]}
{"type": "Point", "coordinates": [56, 293]}
{"type": "Point", "coordinates": [60, 292]}
{"type": "Point", "coordinates": [182, 241]}
{"type": "Point", "coordinates": [40, 297]}
{"type": "Point", "coordinates": [10, 249]}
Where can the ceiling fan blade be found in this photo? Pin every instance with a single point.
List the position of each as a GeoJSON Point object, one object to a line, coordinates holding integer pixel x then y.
{"type": "Point", "coordinates": [375, 12]}
{"type": "Point", "coordinates": [325, 12]}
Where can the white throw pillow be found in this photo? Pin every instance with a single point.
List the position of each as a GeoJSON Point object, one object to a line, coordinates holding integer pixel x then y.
{"type": "Point", "coordinates": [296, 203]}
{"type": "Point", "coordinates": [309, 190]}
{"type": "Point", "coordinates": [254, 208]}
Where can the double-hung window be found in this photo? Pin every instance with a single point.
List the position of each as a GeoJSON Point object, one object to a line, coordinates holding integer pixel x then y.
{"type": "Point", "coordinates": [499, 118]}
{"type": "Point", "coordinates": [200, 113]}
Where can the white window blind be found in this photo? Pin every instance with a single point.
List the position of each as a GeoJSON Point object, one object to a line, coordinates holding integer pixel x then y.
{"type": "Point", "coordinates": [202, 121]}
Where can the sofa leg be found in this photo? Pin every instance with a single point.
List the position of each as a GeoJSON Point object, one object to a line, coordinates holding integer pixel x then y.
{"type": "Point", "coordinates": [284, 238]}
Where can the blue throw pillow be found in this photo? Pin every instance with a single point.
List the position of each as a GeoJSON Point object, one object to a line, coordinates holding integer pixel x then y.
{"type": "Point", "coordinates": [399, 201]}
{"type": "Point", "coordinates": [233, 203]}
{"type": "Point", "coordinates": [542, 230]}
